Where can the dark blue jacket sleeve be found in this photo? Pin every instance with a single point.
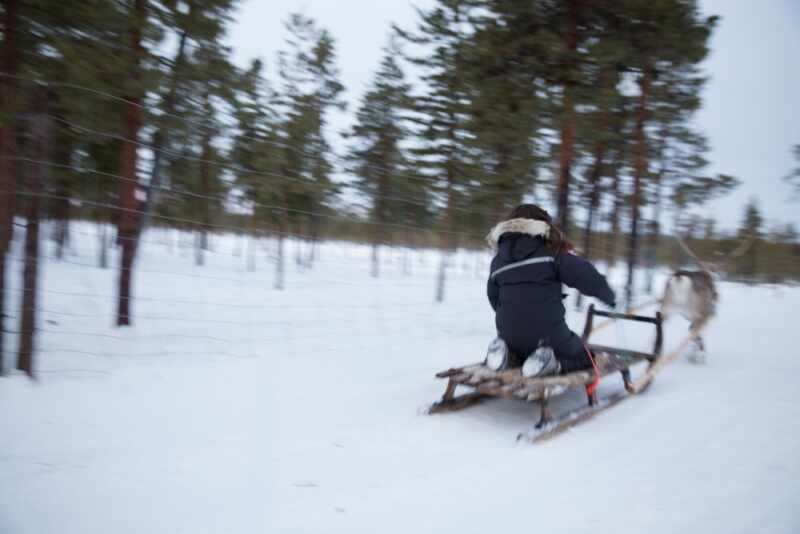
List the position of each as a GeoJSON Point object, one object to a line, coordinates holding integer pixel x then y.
{"type": "Point", "coordinates": [581, 275]}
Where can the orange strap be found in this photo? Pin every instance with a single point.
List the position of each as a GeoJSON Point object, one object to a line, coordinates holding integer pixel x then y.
{"type": "Point", "coordinates": [591, 387]}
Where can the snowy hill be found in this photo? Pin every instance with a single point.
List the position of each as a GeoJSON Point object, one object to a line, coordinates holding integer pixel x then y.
{"type": "Point", "coordinates": [230, 407]}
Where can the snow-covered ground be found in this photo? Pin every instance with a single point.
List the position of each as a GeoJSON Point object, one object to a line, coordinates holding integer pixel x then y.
{"type": "Point", "coordinates": [231, 407]}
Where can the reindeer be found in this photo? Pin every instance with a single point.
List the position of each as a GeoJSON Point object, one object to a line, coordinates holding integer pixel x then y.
{"type": "Point", "coordinates": [693, 294]}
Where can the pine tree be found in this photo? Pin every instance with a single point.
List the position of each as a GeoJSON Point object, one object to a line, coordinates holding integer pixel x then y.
{"type": "Point", "coordinates": [131, 125]}
{"type": "Point", "coordinates": [207, 85]}
{"type": "Point", "coordinates": [377, 156]}
{"type": "Point", "coordinates": [51, 41]}
{"type": "Point", "coordinates": [567, 76]}
{"type": "Point", "coordinates": [311, 89]}
{"type": "Point", "coordinates": [751, 229]}
{"type": "Point", "coordinates": [602, 125]}
{"type": "Point", "coordinates": [663, 37]}
{"type": "Point", "coordinates": [10, 57]}
{"type": "Point", "coordinates": [502, 72]}
{"type": "Point", "coordinates": [38, 152]}
{"type": "Point", "coordinates": [88, 46]}
{"type": "Point", "coordinates": [198, 64]}
{"type": "Point", "coordinates": [794, 177]}
{"type": "Point", "coordinates": [257, 156]}
{"type": "Point", "coordinates": [676, 150]}
{"type": "Point", "coordinates": [441, 110]}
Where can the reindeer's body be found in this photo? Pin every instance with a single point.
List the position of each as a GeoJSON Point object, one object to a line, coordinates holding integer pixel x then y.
{"type": "Point", "coordinates": [693, 295]}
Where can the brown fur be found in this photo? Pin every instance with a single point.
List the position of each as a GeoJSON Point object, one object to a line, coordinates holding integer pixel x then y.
{"type": "Point", "coordinates": [696, 305]}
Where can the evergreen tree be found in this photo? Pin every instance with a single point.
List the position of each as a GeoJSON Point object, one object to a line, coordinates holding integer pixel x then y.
{"type": "Point", "coordinates": [441, 110]}
{"type": "Point", "coordinates": [661, 37]}
{"type": "Point", "coordinates": [311, 89]}
{"type": "Point", "coordinates": [10, 56]}
{"type": "Point", "coordinates": [566, 17]}
{"type": "Point", "coordinates": [53, 41]}
{"type": "Point", "coordinates": [504, 117]}
{"type": "Point", "coordinates": [794, 177]}
{"type": "Point", "coordinates": [257, 156]}
{"type": "Point", "coordinates": [377, 156]}
{"type": "Point", "coordinates": [198, 171]}
{"type": "Point", "coordinates": [131, 125]}
{"type": "Point", "coordinates": [198, 25]}
{"type": "Point", "coordinates": [751, 229]}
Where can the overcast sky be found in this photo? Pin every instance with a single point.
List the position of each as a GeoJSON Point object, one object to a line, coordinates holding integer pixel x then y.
{"type": "Point", "coordinates": [751, 112]}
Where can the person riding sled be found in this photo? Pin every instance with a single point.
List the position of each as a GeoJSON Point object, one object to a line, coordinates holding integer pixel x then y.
{"type": "Point", "coordinates": [532, 260]}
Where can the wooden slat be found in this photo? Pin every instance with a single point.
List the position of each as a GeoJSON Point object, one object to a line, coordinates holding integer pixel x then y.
{"type": "Point", "coordinates": [511, 383]}
{"type": "Point", "coordinates": [457, 403]}
{"type": "Point", "coordinates": [495, 390]}
{"type": "Point", "coordinates": [456, 370]}
{"type": "Point", "coordinates": [450, 372]}
{"type": "Point", "coordinates": [625, 353]}
{"type": "Point", "coordinates": [644, 380]}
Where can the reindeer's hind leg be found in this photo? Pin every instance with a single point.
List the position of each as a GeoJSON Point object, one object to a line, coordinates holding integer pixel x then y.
{"type": "Point", "coordinates": [697, 354]}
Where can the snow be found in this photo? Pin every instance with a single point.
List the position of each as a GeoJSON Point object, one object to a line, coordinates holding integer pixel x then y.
{"type": "Point", "coordinates": [231, 407]}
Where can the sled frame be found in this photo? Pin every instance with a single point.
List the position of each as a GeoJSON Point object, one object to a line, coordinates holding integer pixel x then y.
{"type": "Point", "coordinates": [510, 384]}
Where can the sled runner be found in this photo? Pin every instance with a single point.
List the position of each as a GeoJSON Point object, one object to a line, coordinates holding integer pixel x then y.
{"type": "Point", "coordinates": [511, 384]}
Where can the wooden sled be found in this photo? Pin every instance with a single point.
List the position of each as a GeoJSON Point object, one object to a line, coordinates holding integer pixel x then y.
{"type": "Point", "coordinates": [485, 383]}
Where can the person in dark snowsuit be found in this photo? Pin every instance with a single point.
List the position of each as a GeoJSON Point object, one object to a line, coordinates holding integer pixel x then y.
{"type": "Point", "coordinates": [532, 261]}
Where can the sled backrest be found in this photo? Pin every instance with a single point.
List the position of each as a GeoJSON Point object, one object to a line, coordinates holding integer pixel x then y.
{"type": "Point", "coordinates": [588, 327]}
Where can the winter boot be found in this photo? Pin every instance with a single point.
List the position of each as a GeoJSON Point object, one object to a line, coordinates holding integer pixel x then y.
{"type": "Point", "coordinates": [542, 362]}
{"type": "Point", "coordinates": [499, 357]}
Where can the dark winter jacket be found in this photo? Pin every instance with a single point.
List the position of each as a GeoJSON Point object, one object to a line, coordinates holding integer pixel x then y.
{"type": "Point", "coordinates": [527, 300]}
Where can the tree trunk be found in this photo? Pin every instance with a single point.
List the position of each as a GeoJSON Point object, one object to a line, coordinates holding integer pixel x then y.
{"type": "Point", "coordinates": [409, 248]}
{"type": "Point", "coordinates": [205, 187]}
{"type": "Point", "coordinates": [8, 106]}
{"type": "Point", "coordinates": [8, 148]}
{"type": "Point", "coordinates": [128, 227]}
{"type": "Point", "coordinates": [30, 273]}
{"type": "Point", "coordinates": [566, 153]}
{"type": "Point", "coordinates": [594, 201]}
{"type": "Point", "coordinates": [298, 244]}
{"type": "Point", "coordinates": [447, 235]}
{"type": "Point", "coordinates": [447, 240]}
{"type": "Point", "coordinates": [2, 310]}
{"type": "Point", "coordinates": [380, 219]}
{"type": "Point", "coordinates": [61, 216]}
{"type": "Point", "coordinates": [63, 150]}
{"type": "Point", "coordinates": [639, 170]}
{"type": "Point", "coordinates": [161, 136]}
{"type": "Point", "coordinates": [198, 247]}
{"type": "Point", "coordinates": [251, 244]}
{"type": "Point", "coordinates": [103, 243]}
{"type": "Point", "coordinates": [374, 270]}
{"type": "Point", "coordinates": [614, 216]}
{"type": "Point", "coordinates": [280, 260]}
{"type": "Point", "coordinates": [279, 264]}
{"type": "Point", "coordinates": [655, 233]}
{"type": "Point", "coordinates": [30, 276]}
{"type": "Point", "coordinates": [313, 230]}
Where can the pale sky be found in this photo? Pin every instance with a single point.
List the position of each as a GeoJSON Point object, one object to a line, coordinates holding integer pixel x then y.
{"type": "Point", "coordinates": [750, 114]}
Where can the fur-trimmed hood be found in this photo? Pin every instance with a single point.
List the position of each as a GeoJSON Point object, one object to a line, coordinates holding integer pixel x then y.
{"type": "Point", "coordinates": [519, 226]}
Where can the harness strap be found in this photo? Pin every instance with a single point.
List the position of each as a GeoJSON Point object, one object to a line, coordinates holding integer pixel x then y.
{"type": "Point", "coordinates": [529, 261]}
{"type": "Point", "coordinates": [591, 387]}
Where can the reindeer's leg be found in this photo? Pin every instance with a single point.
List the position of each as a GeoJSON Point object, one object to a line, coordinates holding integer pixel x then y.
{"type": "Point", "coordinates": [701, 344]}
{"type": "Point", "coordinates": [700, 355]}
{"type": "Point", "coordinates": [698, 350]}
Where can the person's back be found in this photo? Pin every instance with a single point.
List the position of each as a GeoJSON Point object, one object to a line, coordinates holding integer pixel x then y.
{"type": "Point", "coordinates": [524, 287]}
